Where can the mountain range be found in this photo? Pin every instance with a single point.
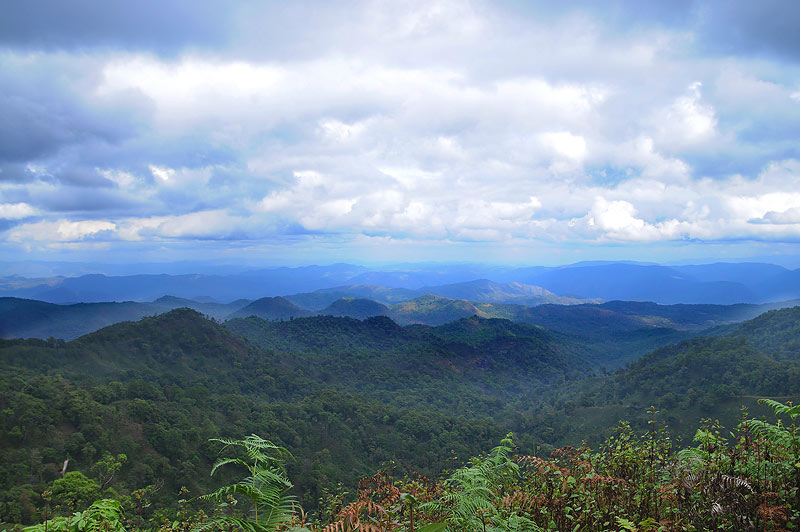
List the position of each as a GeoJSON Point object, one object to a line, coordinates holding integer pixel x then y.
{"type": "Point", "coordinates": [352, 393]}
{"type": "Point", "coordinates": [719, 283]}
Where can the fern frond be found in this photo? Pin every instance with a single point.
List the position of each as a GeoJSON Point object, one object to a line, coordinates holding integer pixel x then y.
{"type": "Point", "coordinates": [261, 495]}
{"type": "Point", "coordinates": [226, 461]}
{"type": "Point", "coordinates": [691, 457]}
{"type": "Point", "coordinates": [773, 433]}
{"type": "Point", "coordinates": [779, 408]}
{"type": "Point", "coordinates": [245, 525]}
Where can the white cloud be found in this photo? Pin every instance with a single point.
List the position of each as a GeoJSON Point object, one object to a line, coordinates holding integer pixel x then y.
{"type": "Point", "coordinates": [756, 206]}
{"type": "Point", "coordinates": [341, 132]}
{"type": "Point", "coordinates": [122, 178]}
{"type": "Point", "coordinates": [17, 211]}
{"type": "Point", "coordinates": [59, 231]}
{"type": "Point", "coordinates": [687, 121]}
{"type": "Point", "coordinates": [443, 121]}
{"type": "Point", "coordinates": [565, 144]}
{"type": "Point", "coordinates": [203, 224]}
{"type": "Point", "coordinates": [164, 174]}
{"type": "Point", "coordinates": [78, 230]}
{"type": "Point", "coordinates": [617, 220]}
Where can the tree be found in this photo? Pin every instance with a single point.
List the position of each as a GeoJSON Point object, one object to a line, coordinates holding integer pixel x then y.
{"type": "Point", "coordinates": [75, 490]}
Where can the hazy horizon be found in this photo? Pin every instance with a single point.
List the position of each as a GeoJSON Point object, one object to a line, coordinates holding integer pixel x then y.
{"type": "Point", "coordinates": [43, 269]}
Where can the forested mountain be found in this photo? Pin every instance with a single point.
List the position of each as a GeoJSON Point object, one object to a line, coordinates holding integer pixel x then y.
{"type": "Point", "coordinates": [26, 318]}
{"type": "Point", "coordinates": [707, 377]}
{"type": "Point", "coordinates": [271, 308]}
{"type": "Point", "coordinates": [615, 332]}
{"type": "Point", "coordinates": [358, 308]}
{"type": "Point", "coordinates": [474, 359]}
{"type": "Point", "coordinates": [486, 291]}
{"type": "Point", "coordinates": [203, 305]}
{"type": "Point", "coordinates": [347, 394]}
{"type": "Point", "coordinates": [320, 299]}
{"type": "Point", "coordinates": [480, 290]}
{"type": "Point", "coordinates": [158, 389]}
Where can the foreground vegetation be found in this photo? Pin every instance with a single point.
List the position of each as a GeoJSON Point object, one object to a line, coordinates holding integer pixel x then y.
{"type": "Point", "coordinates": [633, 482]}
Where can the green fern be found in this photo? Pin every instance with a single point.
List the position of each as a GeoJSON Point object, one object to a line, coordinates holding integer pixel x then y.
{"type": "Point", "coordinates": [791, 410]}
{"type": "Point", "coordinates": [266, 487]}
{"type": "Point", "coordinates": [470, 500]}
{"type": "Point", "coordinates": [779, 433]}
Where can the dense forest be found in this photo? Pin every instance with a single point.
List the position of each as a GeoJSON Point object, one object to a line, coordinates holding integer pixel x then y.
{"type": "Point", "coordinates": [632, 483]}
{"type": "Point", "coordinates": [130, 414]}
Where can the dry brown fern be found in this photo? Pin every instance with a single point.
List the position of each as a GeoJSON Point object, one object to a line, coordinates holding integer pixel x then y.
{"type": "Point", "coordinates": [363, 515]}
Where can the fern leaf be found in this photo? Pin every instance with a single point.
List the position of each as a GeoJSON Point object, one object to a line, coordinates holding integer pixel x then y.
{"type": "Point", "coordinates": [772, 432]}
{"type": "Point", "coordinates": [780, 408]}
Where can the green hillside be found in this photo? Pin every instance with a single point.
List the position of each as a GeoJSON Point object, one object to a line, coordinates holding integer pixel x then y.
{"type": "Point", "coordinates": [271, 308]}
{"type": "Point", "coordinates": [704, 377]}
{"type": "Point", "coordinates": [492, 359]}
{"type": "Point", "coordinates": [358, 308]}
{"type": "Point", "coordinates": [347, 395]}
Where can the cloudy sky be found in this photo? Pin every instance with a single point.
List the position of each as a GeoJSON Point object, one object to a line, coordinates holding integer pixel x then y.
{"type": "Point", "coordinates": [301, 132]}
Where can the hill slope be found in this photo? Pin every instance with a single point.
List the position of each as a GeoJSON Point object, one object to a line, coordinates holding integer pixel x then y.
{"type": "Point", "coordinates": [271, 308]}
{"type": "Point", "coordinates": [27, 318]}
{"type": "Point", "coordinates": [709, 377]}
{"type": "Point", "coordinates": [355, 308]}
{"type": "Point", "coordinates": [348, 394]}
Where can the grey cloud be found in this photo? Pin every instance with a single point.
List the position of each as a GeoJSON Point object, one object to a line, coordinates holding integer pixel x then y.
{"type": "Point", "coordinates": [45, 107]}
{"type": "Point", "coordinates": [87, 200]}
{"type": "Point", "coordinates": [83, 177]}
{"type": "Point", "coordinates": [145, 24]}
{"type": "Point", "coordinates": [15, 173]}
{"type": "Point", "coordinates": [184, 150]}
{"type": "Point", "coordinates": [624, 14]}
{"type": "Point", "coordinates": [740, 27]}
{"type": "Point", "coordinates": [789, 216]}
{"type": "Point", "coordinates": [746, 27]}
{"type": "Point", "coordinates": [281, 30]}
{"type": "Point", "coordinates": [237, 27]}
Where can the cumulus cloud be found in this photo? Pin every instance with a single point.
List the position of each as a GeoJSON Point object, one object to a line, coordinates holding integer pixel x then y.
{"type": "Point", "coordinates": [687, 121]}
{"type": "Point", "coordinates": [617, 219]}
{"type": "Point", "coordinates": [60, 230]}
{"type": "Point", "coordinates": [15, 211]}
{"type": "Point", "coordinates": [440, 121]}
{"type": "Point", "coordinates": [788, 216]}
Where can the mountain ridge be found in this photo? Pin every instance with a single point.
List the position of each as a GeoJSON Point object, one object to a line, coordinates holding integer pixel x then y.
{"type": "Point", "coordinates": [720, 283]}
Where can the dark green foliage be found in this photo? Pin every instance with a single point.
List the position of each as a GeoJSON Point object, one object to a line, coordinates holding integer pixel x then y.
{"type": "Point", "coordinates": [157, 390]}
{"type": "Point", "coordinates": [776, 333]}
{"type": "Point", "coordinates": [348, 395]}
{"type": "Point", "coordinates": [74, 490]}
{"type": "Point", "coordinates": [481, 363]}
{"type": "Point", "coordinates": [271, 308]}
{"type": "Point", "coordinates": [104, 515]}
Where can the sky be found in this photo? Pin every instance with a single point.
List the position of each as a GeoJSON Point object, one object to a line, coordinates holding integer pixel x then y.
{"type": "Point", "coordinates": [303, 132]}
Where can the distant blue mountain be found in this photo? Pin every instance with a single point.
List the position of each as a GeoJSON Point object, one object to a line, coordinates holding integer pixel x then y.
{"type": "Point", "coordinates": [633, 282]}
{"type": "Point", "coordinates": [720, 283]}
